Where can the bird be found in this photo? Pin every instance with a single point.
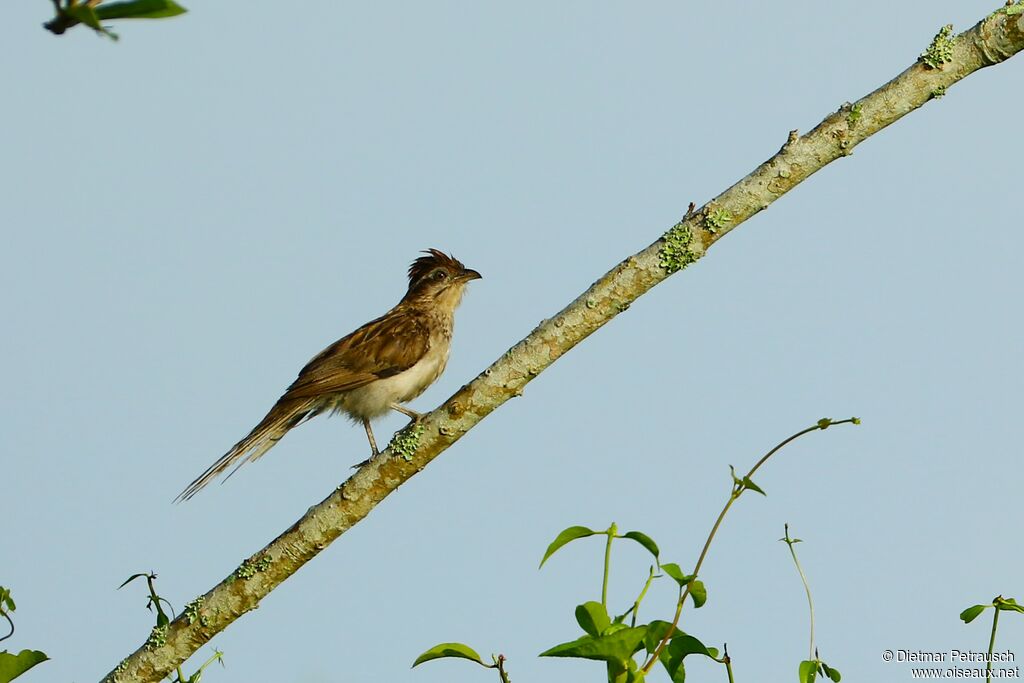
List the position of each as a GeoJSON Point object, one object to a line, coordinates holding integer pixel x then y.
{"type": "Point", "coordinates": [378, 367]}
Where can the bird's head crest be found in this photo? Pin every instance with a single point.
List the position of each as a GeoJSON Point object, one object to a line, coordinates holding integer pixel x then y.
{"type": "Point", "coordinates": [436, 271]}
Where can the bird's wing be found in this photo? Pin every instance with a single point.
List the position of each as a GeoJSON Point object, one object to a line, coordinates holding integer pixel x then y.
{"type": "Point", "coordinates": [381, 348]}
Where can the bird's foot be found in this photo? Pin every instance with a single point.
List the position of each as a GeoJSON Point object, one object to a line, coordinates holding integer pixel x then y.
{"type": "Point", "coordinates": [359, 466]}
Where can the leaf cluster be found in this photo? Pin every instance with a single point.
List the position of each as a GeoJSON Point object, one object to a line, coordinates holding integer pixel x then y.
{"type": "Point", "coordinates": [609, 638]}
{"type": "Point", "coordinates": [92, 13]}
{"type": "Point", "coordinates": [14, 665]}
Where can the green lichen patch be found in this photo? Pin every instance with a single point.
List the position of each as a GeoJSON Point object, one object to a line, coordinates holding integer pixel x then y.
{"type": "Point", "coordinates": [939, 92]}
{"type": "Point", "coordinates": [250, 567]}
{"type": "Point", "coordinates": [405, 442]}
{"type": "Point", "coordinates": [854, 115]}
{"type": "Point", "coordinates": [157, 637]}
{"type": "Point", "coordinates": [677, 248]}
{"type": "Point", "coordinates": [1011, 8]}
{"type": "Point", "coordinates": [715, 219]}
{"type": "Point", "coordinates": [941, 49]}
{"type": "Point", "coordinates": [192, 614]}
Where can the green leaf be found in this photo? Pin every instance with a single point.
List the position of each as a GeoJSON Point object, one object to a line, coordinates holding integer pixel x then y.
{"type": "Point", "coordinates": [567, 535]}
{"type": "Point", "coordinates": [656, 631]}
{"type": "Point", "coordinates": [6, 600]}
{"type": "Point", "coordinates": [1008, 605]}
{"type": "Point", "coordinates": [615, 647]}
{"type": "Point", "coordinates": [831, 673]}
{"type": "Point", "coordinates": [680, 645]}
{"type": "Point", "coordinates": [614, 628]}
{"type": "Point", "coordinates": [635, 676]}
{"type": "Point", "coordinates": [971, 613]}
{"type": "Point", "coordinates": [698, 592]}
{"type": "Point", "coordinates": [592, 618]}
{"type": "Point", "coordinates": [675, 572]}
{"type": "Point", "coordinates": [674, 666]}
{"type": "Point", "coordinates": [688, 645]}
{"type": "Point", "coordinates": [131, 578]}
{"type": "Point", "coordinates": [644, 540]}
{"type": "Point", "coordinates": [12, 666]}
{"type": "Point", "coordinates": [85, 14]}
{"type": "Point", "coordinates": [443, 650]}
{"type": "Point", "coordinates": [139, 9]}
{"type": "Point", "coordinates": [808, 670]}
{"type": "Point", "coordinates": [749, 484]}
{"type": "Point", "coordinates": [683, 644]}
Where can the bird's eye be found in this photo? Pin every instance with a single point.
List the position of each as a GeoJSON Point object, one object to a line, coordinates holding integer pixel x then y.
{"type": "Point", "coordinates": [440, 275]}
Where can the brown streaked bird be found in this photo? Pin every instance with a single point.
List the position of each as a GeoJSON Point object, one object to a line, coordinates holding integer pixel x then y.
{"type": "Point", "coordinates": [377, 368]}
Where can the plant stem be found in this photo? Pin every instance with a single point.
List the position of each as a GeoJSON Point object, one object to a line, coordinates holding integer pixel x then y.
{"type": "Point", "coordinates": [607, 562]}
{"type": "Point", "coordinates": [9, 621]}
{"type": "Point", "coordinates": [807, 587]}
{"type": "Point", "coordinates": [639, 599]}
{"type": "Point", "coordinates": [499, 664]}
{"type": "Point", "coordinates": [992, 642]}
{"type": "Point", "coordinates": [737, 489]}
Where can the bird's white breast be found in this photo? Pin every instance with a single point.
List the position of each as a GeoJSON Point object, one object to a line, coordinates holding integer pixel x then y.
{"type": "Point", "coordinates": [376, 398]}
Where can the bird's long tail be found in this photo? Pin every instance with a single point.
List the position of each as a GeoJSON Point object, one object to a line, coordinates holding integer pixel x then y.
{"type": "Point", "coordinates": [283, 416]}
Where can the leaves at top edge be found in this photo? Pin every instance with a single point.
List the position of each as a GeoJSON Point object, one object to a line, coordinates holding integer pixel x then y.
{"type": "Point", "coordinates": [12, 666]}
{"type": "Point", "coordinates": [567, 535]}
{"type": "Point", "coordinates": [687, 644]}
{"type": "Point", "coordinates": [808, 671]}
{"type": "Point", "coordinates": [699, 593]}
{"type": "Point", "coordinates": [132, 578]}
{"type": "Point", "coordinates": [139, 9]}
{"type": "Point", "coordinates": [592, 618]}
{"type": "Point", "coordinates": [644, 540]}
{"type": "Point", "coordinates": [455, 650]}
{"type": "Point", "coordinates": [86, 14]}
{"type": "Point", "coordinates": [615, 647]}
{"type": "Point", "coordinates": [636, 676]}
{"type": "Point", "coordinates": [680, 646]}
{"type": "Point", "coordinates": [971, 613]}
{"type": "Point", "coordinates": [676, 573]}
{"type": "Point", "coordinates": [830, 672]}
{"type": "Point", "coordinates": [1008, 605]}
{"type": "Point", "coordinates": [748, 483]}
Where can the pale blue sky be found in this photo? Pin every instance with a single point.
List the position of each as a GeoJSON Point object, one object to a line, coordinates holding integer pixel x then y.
{"type": "Point", "coordinates": [192, 213]}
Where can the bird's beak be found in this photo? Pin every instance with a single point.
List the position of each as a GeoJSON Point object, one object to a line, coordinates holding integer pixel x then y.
{"type": "Point", "coordinates": [470, 274]}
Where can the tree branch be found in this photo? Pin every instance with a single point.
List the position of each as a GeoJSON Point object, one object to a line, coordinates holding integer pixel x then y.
{"type": "Point", "coordinates": [948, 60]}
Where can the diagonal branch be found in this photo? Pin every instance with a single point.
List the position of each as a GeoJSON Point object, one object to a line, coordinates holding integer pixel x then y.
{"type": "Point", "coordinates": [947, 60]}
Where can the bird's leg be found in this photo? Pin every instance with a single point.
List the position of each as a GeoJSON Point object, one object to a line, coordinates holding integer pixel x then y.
{"type": "Point", "coordinates": [369, 435]}
{"type": "Point", "coordinates": [373, 445]}
{"type": "Point", "coordinates": [412, 414]}
{"type": "Point", "coordinates": [416, 417]}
